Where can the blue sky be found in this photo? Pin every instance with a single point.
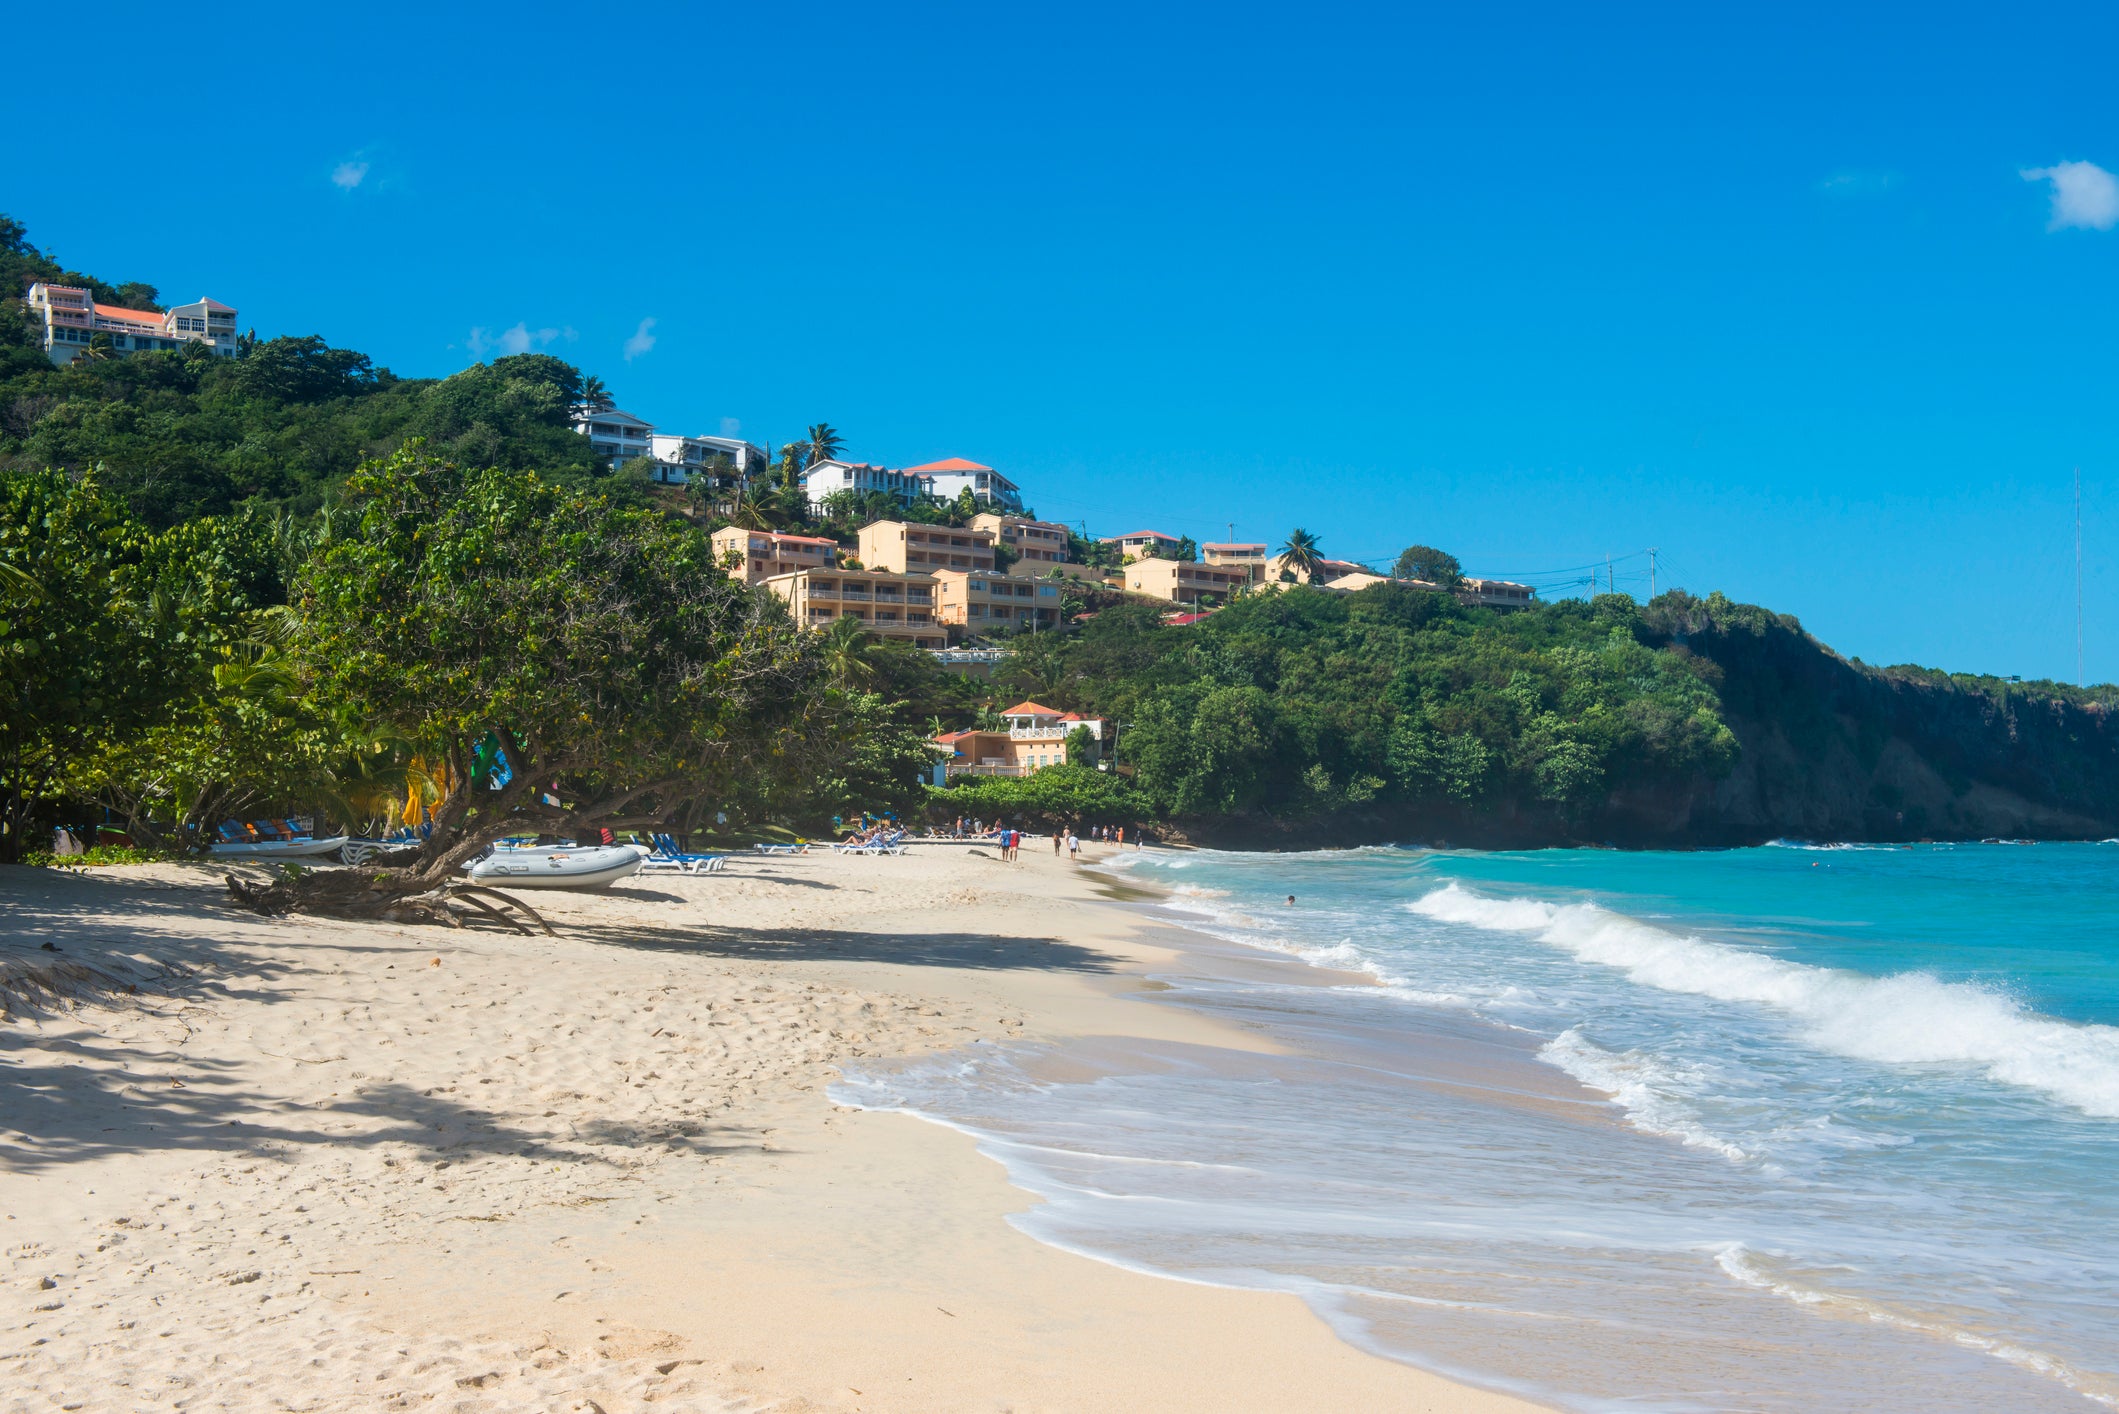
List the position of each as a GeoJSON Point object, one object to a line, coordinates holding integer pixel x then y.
{"type": "Point", "coordinates": [1767, 290]}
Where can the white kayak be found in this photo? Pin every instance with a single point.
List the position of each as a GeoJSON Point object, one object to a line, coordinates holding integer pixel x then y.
{"type": "Point", "coordinates": [558, 866]}
{"type": "Point", "coordinates": [280, 849]}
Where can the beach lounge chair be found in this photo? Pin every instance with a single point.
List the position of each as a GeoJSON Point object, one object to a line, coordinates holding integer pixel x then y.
{"type": "Point", "coordinates": [801, 848]}
{"type": "Point", "coordinates": [892, 843]}
{"type": "Point", "coordinates": [667, 858]}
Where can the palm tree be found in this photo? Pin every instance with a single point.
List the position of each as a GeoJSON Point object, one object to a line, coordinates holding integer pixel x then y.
{"type": "Point", "coordinates": [595, 397]}
{"type": "Point", "coordinates": [1300, 554]}
{"type": "Point", "coordinates": [824, 444]}
{"type": "Point", "coordinates": [845, 650]}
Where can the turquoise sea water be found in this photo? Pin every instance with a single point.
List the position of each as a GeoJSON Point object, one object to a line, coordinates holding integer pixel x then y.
{"type": "Point", "coordinates": [1781, 1129]}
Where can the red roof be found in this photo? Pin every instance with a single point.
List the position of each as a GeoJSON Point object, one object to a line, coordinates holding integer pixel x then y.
{"type": "Point", "coordinates": [1180, 620]}
{"type": "Point", "coordinates": [798, 539]}
{"type": "Point", "coordinates": [1030, 709]}
{"type": "Point", "coordinates": [215, 304]}
{"type": "Point", "coordinates": [131, 316]}
{"type": "Point", "coordinates": [950, 464]}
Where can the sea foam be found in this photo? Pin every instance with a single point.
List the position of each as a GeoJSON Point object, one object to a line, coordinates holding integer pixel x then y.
{"type": "Point", "coordinates": [1652, 1091]}
{"type": "Point", "coordinates": [1909, 1018]}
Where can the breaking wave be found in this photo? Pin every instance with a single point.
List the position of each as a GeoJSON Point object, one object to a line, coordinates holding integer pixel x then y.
{"type": "Point", "coordinates": [1909, 1018]}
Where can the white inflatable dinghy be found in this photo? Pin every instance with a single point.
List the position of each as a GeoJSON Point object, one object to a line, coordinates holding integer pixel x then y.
{"type": "Point", "coordinates": [558, 866]}
{"type": "Point", "coordinates": [279, 849]}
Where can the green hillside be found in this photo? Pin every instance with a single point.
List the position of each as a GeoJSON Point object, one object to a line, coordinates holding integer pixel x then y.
{"type": "Point", "coordinates": [170, 523]}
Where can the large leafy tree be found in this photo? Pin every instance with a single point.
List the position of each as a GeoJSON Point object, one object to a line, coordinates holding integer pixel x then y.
{"type": "Point", "coordinates": [1426, 562]}
{"type": "Point", "coordinates": [105, 630]}
{"type": "Point", "coordinates": [625, 679]}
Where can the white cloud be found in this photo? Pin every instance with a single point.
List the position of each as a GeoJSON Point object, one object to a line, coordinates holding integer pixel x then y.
{"type": "Point", "coordinates": [643, 341]}
{"type": "Point", "coordinates": [520, 339]}
{"type": "Point", "coordinates": [349, 174]}
{"type": "Point", "coordinates": [731, 427]}
{"type": "Point", "coordinates": [2084, 194]}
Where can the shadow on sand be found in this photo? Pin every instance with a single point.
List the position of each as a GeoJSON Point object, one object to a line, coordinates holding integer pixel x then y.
{"type": "Point", "coordinates": [979, 951]}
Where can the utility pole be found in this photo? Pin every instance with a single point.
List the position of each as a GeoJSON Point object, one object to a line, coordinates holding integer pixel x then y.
{"type": "Point", "coordinates": [2078, 576]}
{"type": "Point", "coordinates": [1651, 571]}
{"type": "Point", "coordinates": [1611, 586]}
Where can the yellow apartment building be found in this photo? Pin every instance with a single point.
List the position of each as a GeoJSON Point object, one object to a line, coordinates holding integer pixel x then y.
{"type": "Point", "coordinates": [903, 548]}
{"type": "Point", "coordinates": [1181, 582]}
{"type": "Point", "coordinates": [1040, 546]}
{"type": "Point", "coordinates": [1245, 556]}
{"type": "Point", "coordinates": [888, 605]}
{"type": "Point", "coordinates": [987, 603]}
{"type": "Point", "coordinates": [755, 556]}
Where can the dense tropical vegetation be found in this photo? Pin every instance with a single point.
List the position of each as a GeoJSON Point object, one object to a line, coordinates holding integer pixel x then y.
{"type": "Point", "coordinates": [291, 582]}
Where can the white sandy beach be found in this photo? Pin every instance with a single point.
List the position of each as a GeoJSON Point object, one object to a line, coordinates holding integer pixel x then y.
{"type": "Point", "coordinates": [319, 1166]}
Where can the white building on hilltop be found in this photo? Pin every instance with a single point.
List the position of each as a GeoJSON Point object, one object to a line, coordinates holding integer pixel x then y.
{"type": "Point", "coordinates": [731, 461]}
{"type": "Point", "coordinates": [616, 435]}
{"type": "Point", "coordinates": [826, 478]}
{"type": "Point", "coordinates": [952, 476]}
{"type": "Point", "coordinates": [72, 319]}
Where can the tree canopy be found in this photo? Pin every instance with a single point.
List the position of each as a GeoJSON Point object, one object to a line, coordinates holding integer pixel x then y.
{"type": "Point", "coordinates": [1425, 562]}
{"type": "Point", "coordinates": [623, 677]}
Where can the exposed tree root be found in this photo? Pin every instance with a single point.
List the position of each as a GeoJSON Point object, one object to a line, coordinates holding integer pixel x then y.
{"type": "Point", "coordinates": [386, 894]}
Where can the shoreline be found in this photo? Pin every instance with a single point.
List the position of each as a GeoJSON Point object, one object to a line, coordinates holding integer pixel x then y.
{"type": "Point", "coordinates": [369, 1164]}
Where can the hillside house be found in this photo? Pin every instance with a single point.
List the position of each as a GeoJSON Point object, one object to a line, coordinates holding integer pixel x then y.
{"type": "Point", "coordinates": [921, 549]}
{"type": "Point", "coordinates": [1140, 542]}
{"type": "Point", "coordinates": [1183, 582]}
{"type": "Point", "coordinates": [952, 476]}
{"type": "Point", "coordinates": [984, 602]}
{"type": "Point", "coordinates": [1040, 546]}
{"type": "Point", "coordinates": [887, 605]}
{"type": "Point", "coordinates": [1035, 738]}
{"type": "Point", "coordinates": [755, 556]}
{"type": "Point", "coordinates": [70, 319]}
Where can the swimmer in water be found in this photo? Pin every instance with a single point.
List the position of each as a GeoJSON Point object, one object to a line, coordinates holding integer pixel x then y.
{"type": "Point", "coordinates": [1291, 900]}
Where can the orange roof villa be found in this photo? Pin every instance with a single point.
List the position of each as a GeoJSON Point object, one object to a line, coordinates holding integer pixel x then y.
{"type": "Point", "coordinates": [1036, 737]}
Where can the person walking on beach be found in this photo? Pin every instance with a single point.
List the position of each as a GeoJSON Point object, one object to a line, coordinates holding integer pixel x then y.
{"type": "Point", "coordinates": [1057, 831]}
{"type": "Point", "coordinates": [1074, 846]}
